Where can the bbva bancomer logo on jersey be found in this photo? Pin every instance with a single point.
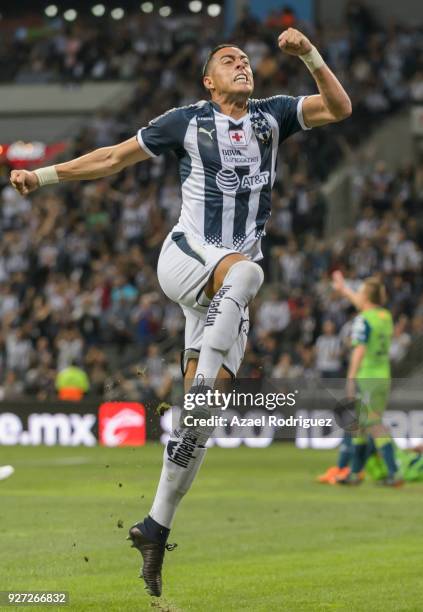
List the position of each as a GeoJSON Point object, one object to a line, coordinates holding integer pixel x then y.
{"type": "Point", "coordinates": [228, 181]}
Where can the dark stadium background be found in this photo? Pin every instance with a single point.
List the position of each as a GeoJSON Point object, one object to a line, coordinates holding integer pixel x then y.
{"type": "Point", "coordinates": [77, 262]}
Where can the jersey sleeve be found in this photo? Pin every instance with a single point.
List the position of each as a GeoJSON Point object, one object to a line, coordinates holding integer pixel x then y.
{"type": "Point", "coordinates": [164, 133]}
{"type": "Point", "coordinates": [360, 331]}
{"type": "Point", "coordinates": [288, 112]}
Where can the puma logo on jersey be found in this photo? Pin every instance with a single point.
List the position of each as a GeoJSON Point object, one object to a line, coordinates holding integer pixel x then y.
{"type": "Point", "coordinates": [208, 132]}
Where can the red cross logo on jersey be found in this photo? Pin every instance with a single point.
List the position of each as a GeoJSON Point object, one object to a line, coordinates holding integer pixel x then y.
{"type": "Point", "coordinates": [237, 138]}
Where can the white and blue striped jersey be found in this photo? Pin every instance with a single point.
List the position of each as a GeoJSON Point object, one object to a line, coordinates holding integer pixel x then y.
{"type": "Point", "coordinates": [227, 166]}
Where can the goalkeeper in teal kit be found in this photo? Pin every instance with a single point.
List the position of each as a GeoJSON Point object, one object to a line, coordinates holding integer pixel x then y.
{"type": "Point", "coordinates": [369, 377]}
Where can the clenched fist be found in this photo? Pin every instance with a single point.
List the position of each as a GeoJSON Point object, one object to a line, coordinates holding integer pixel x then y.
{"type": "Point", "coordinates": [24, 181]}
{"type": "Point", "coordinates": [294, 42]}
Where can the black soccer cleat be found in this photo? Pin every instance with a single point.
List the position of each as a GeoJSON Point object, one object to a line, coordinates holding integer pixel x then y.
{"type": "Point", "coordinates": [152, 555]}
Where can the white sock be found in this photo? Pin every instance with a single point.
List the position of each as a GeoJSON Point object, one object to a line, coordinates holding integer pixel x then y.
{"type": "Point", "coordinates": [224, 317]}
{"type": "Point", "coordinates": [211, 359]}
{"type": "Point", "coordinates": [182, 459]}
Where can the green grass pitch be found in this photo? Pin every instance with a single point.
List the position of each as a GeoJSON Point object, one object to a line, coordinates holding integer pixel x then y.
{"type": "Point", "coordinates": [255, 533]}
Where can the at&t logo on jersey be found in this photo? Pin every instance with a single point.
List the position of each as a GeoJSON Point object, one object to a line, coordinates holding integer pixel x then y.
{"type": "Point", "coordinates": [228, 180]}
{"type": "Point", "coordinates": [255, 179]}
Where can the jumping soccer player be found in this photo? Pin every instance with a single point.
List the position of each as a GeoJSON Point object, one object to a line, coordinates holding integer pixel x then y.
{"type": "Point", "coordinates": [370, 370]}
{"type": "Point", "coordinates": [227, 148]}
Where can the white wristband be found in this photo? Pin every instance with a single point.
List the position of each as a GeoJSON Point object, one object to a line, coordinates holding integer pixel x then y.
{"type": "Point", "coordinates": [313, 60]}
{"type": "Point", "coordinates": [47, 175]}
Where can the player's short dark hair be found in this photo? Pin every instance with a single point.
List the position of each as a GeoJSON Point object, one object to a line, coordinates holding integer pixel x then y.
{"type": "Point", "coordinates": [375, 291]}
{"type": "Point", "coordinates": [211, 55]}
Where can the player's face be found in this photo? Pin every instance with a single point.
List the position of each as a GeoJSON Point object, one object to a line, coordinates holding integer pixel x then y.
{"type": "Point", "coordinates": [230, 73]}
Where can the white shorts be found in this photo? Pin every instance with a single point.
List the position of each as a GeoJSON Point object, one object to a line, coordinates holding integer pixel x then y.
{"type": "Point", "coordinates": [184, 268]}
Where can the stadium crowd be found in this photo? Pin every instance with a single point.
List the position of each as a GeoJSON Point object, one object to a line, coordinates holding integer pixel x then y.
{"type": "Point", "coordinates": [77, 262]}
{"type": "Point", "coordinates": [381, 68]}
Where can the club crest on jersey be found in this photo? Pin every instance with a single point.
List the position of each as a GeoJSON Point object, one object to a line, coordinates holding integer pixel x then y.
{"type": "Point", "coordinates": [237, 138]}
{"type": "Point", "coordinates": [261, 127]}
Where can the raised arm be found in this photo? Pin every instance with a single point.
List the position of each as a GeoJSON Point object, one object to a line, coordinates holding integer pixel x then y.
{"type": "Point", "coordinates": [339, 284]}
{"type": "Point", "coordinates": [96, 164]}
{"type": "Point", "coordinates": [332, 103]}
